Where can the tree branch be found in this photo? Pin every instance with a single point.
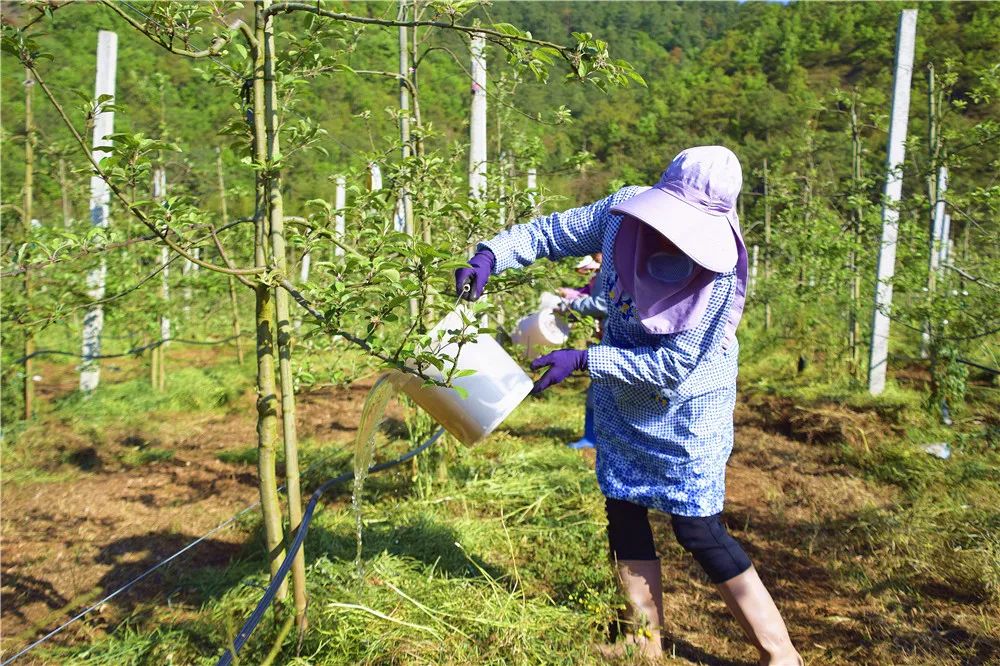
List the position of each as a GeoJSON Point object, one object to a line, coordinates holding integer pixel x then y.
{"type": "Point", "coordinates": [18, 269]}
{"type": "Point", "coordinates": [41, 13]}
{"type": "Point", "coordinates": [392, 75]}
{"type": "Point", "coordinates": [213, 50]}
{"type": "Point", "coordinates": [285, 284]}
{"type": "Point", "coordinates": [494, 36]}
{"type": "Point", "coordinates": [163, 235]}
{"type": "Point", "coordinates": [106, 299]}
{"type": "Point", "coordinates": [225, 257]}
{"type": "Point", "coordinates": [972, 278]}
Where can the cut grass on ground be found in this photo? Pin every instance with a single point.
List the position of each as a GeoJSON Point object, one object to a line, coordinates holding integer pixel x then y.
{"type": "Point", "coordinates": [496, 554]}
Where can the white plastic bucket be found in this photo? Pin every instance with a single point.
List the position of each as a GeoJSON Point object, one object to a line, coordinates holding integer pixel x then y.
{"type": "Point", "coordinates": [549, 301]}
{"type": "Point", "coordinates": [543, 328]}
{"type": "Point", "coordinates": [495, 389]}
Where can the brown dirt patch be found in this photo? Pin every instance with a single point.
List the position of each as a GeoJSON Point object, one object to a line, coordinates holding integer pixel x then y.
{"type": "Point", "coordinates": [68, 543]}
{"type": "Point", "coordinates": [794, 509]}
{"type": "Point", "coordinates": [790, 503]}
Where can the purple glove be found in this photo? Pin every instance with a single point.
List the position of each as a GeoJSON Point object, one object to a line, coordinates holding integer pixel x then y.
{"type": "Point", "coordinates": [563, 363]}
{"type": "Point", "coordinates": [482, 264]}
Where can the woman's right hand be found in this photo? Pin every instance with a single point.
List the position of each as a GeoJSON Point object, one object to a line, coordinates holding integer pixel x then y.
{"type": "Point", "coordinates": [470, 282]}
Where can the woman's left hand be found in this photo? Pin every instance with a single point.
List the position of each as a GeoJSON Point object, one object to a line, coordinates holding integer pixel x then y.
{"type": "Point", "coordinates": [562, 363]}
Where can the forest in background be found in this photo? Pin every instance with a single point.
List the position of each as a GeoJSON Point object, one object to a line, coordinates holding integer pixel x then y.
{"type": "Point", "coordinates": [776, 83]}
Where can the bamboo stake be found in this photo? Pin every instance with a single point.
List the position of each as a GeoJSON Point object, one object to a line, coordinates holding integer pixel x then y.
{"type": "Point", "coordinates": [934, 254]}
{"type": "Point", "coordinates": [284, 323]}
{"type": "Point", "coordinates": [933, 147]}
{"type": "Point", "coordinates": [264, 315]}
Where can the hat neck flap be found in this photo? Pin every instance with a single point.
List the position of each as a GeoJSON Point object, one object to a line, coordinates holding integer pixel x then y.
{"type": "Point", "coordinates": [673, 307]}
{"type": "Point", "coordinates": [663, 307]}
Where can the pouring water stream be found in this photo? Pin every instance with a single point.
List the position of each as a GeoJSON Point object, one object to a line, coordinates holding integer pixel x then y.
{"type": "Point", "coordinates": [372, 415]}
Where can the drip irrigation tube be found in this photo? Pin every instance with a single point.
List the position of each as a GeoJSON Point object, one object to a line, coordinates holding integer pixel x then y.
{"type": "Point", "coordinates": [258, 614]}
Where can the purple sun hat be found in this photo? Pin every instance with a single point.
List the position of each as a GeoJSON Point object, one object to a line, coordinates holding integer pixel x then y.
{"type": "Point", "coordinates": [693, 204]}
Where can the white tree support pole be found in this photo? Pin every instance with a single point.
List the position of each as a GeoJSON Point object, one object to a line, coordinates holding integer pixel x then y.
{"type": "Point", "coordinates": [939, 232]}
{"type": "Point", "coordinates": [934, 255]}
{"type": "Point", "coordinates": [477, 120]}
{"type": "Point", "coordinates": [945, 243]}
{"type": "Point", "coordinates": [160, 191]}
{"type": "Point", "coordinates": [340, 224]}
{"type": "Point", "coordinates": [374, 178]}
{"type": "Point", "coordinates": [533, 189]}
{"type": "Point", "coordinates": [477, 126]}
{"type": "Point", "coordinates": [753, 270]}
{"type": "Point", "coordinates": [399, 215]}
{"type": "Point", "coordinates": [100, 201]}
{"type": "Point", "coordinates": [879, 350]}
{"type": "Point", "coordinates": [304, 268]}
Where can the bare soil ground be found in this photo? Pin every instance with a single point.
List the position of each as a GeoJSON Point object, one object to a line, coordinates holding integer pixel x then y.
{"type": "Point", "coordinates": [794, 509]}
{"type": "Point", "coordinates": [67, 543]}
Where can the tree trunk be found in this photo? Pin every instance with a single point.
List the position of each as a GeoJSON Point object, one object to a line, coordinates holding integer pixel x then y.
{"type": "Point", "coordinates": [284, 323]}
{"type": "Point", "coordinates": [854, 327]}
{"type": "Point", "coordinates": [404, 128]}
{"type": "Point", "coordinates": [29, 183]}
{"type": "Point", "coordinates": [267, 419]}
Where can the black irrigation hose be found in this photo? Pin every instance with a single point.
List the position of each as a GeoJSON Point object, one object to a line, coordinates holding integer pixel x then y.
{"type": "Point", "coordinates": [984, 368]}
{"type": "Point", "coordinates": [258, 614]}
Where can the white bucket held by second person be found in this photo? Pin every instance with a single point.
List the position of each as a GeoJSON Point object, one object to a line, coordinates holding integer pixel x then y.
{"type": "Point", "coordinates": [543, 328]}
{"type": "Point", "coordinates": [494, 390]}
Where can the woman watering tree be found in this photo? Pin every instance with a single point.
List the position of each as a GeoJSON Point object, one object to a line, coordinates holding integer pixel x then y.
{"type": "Point", "coordinates": [663, 377]}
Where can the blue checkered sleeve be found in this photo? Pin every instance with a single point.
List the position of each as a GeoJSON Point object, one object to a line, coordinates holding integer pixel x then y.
{"type": "Point", "coordinates": [669, 363]}
{"type": "Point", "coordinates": [591, 306]}
{"type": "Point", "coordinates": [572, 233]}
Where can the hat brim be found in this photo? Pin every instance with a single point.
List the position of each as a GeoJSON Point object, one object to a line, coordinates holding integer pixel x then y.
{"type": "Point", "coordinates": [708, 239]}
{"type": "Point", "coordinates": [587, 263]}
